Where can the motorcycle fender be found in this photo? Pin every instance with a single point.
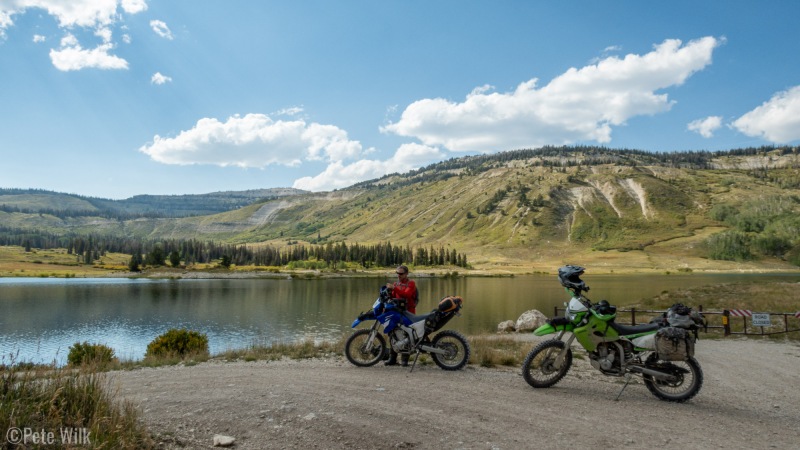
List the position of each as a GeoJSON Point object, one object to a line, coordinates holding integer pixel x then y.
{"type": "Point", "coordinates": [355, 323]}
{"type": "Point", "coordinates": [547, 329]}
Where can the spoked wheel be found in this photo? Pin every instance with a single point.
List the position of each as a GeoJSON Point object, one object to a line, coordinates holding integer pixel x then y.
{"type": "Point", "coordinates": [687, 385]}
{"type": "Point", "coordinates": [539, 368]}
{"type": "Point", "coordinates": [456, 350]}
{"type": "Point", "coordinates": [365, 348]}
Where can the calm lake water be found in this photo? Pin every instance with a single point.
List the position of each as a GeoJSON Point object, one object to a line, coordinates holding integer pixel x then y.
{"type": "Point", "coordinates": [40, 318]}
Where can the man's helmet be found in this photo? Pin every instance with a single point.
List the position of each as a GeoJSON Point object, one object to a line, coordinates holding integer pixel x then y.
{"type": "Point", "coordinates": [570, 278]}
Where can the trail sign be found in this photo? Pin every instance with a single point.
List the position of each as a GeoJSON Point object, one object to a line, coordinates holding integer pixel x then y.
{"type": "Point", "coordinates": [761, 320]}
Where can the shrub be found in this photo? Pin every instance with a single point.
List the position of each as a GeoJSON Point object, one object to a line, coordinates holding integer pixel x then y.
{"type": "Point", "coordinates": [181, 342]}
{"type": "Point", "coordinates": [86, 353]}
{"type": "Point", "coordinates": [729, 246]}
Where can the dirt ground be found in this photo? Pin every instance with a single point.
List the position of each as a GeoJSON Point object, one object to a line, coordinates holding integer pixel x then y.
{"type": "Point", "coordinates": [750, 399]}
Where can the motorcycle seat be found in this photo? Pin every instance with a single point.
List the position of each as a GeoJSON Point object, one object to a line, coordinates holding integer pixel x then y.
{"type": "Point", "coordinates": [626, 330]}
{"type": "Point", "coordinates": [416, 319]}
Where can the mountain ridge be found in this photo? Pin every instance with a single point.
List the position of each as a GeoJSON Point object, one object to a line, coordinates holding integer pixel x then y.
{"type": "Point", "coordinates": [515, 208]}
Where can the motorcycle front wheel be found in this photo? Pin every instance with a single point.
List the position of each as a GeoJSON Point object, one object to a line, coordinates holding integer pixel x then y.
{"type": "Point", "coordinates": [456, 350]}
{"type": "Point", "coordinates": [539, 368]}
{"type": "Point", "coordinates": [360, 352]}
{"type": "Point", "coordinates": [688, 384]}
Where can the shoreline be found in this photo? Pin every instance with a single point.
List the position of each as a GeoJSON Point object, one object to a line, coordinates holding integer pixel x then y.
{"type": "Point", "coordinates": [168, 273]}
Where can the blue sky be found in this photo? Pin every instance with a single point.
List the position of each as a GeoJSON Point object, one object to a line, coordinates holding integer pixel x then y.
{"type": "Point", "coordinates": [114, 98]}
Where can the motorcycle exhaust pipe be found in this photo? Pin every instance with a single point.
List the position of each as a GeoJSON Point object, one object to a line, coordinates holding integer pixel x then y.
{"type": "Point", "coordinates": [654, 373]}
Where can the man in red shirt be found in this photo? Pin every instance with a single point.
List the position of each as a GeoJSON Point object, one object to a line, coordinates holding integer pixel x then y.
{"type": "Point", "coordinates": [407, 289]}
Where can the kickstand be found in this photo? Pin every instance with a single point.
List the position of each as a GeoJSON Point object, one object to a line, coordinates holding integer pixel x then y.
{"type": "Point", "coordinates": [416, 357]}
{"type": "Point", "coordinates": [627, 380]}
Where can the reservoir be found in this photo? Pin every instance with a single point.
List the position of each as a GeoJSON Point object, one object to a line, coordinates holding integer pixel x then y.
{"type": "Point", "coordinates": [40, 318]}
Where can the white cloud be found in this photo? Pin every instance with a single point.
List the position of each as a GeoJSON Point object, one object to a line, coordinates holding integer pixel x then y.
{"type": "Point", "coordinates": [776, 120]}
{"type": "Point", "coordinates": [133, 6]}
{"type": "Point", "coordinates": [706, 127]}
{"type": "Point", "coordinates": [38, 38]}
{"type": "Point", "coordinates": [291, 111]}
{"type": "Point", "coordinates": [100, 15]}
{"type": "Point", "coordinates": [81, 13]}
{"type": "Point", "coordinates": [72, 57]}
{"type": "Point", "coordinates": [339, 175]}
{"type": "Point", "coordinates": [161, 29]}
{"type": "Point", "coordinates": [579, 105]}
{"type": "Point", "coordinates": [104, 33]}
{"type": "Point", "coordinates": [254, 140]}
{"type": "Point", "coordinates": [160, 79]}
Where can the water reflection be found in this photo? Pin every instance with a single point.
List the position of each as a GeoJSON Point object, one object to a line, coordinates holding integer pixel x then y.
{"type": "Point", "coordinates": [41, 318]}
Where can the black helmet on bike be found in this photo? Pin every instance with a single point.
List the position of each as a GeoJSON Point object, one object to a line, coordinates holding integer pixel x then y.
{"type": "Point", "coordinates": [570, 278]}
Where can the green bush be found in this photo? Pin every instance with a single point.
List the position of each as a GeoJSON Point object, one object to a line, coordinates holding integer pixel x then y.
{"type": "Point", "coordinates": [729, 246]}
{"type": "Point", "coordinates": [86, 353]}
{"type": "Point", "coordinates": [793, 256]}
{"type": "Point", "coordinates": [177, 342]}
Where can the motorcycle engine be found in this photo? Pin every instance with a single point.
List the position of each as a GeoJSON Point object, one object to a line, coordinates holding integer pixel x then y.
{"type": "Point", "coordinates": [399, 340]}
{"type": "Point", "coordinates": [606, 358]}
{"type": "Point", "coordinates": [611, 357]}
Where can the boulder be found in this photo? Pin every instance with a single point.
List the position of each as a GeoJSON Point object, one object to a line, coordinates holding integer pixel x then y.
{"type": "Point", "coordinates": [530, 320]}
{"type": "Point", "coordinates": [506, 327]}
{"type": "Point", "coordinates": [223, 441]}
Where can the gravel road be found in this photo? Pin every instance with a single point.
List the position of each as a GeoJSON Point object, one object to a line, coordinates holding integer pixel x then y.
{"type": "Point", "coordinates": [750, 399]}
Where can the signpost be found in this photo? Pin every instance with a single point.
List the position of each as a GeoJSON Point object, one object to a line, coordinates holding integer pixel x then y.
{"type": "Point", "coordinates": [761, 320]}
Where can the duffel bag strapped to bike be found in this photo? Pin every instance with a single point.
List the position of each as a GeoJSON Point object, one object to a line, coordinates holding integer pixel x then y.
{"type": "Point", "coordinates": [674, 344]}
{"type": "Point", "coordinates": [450, 303]}
{"type": "Point", "coordinates": [442, 314]}
{"type": "Point", "coordinates": [682, 316]}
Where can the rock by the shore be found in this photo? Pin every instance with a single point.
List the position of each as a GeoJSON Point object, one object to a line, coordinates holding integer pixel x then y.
{"type": "Point", "coordinates": [530, 320]}
{"type": "Point", "coordinates": [509, 326]}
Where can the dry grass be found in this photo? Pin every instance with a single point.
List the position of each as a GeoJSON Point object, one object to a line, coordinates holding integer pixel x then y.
{"type": "Point", "coordinates": [56, 263]}
{"type": "Point", "coordinates": [758, 297]}
{"type": "Point", "coordinates": [494, 350]}
{"type": "Point", "coordinates": [55, 399]}
{"type": "Point", "coordinates": [767, 297]}
{"type": "Point", "coordinates": [292, 350]}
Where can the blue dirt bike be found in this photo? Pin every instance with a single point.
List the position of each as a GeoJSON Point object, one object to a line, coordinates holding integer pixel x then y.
{"type": "Point", "coordinates": [408, 334]}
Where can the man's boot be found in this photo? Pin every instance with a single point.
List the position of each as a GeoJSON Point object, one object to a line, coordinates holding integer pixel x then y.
{"type": "Point", "coordinates": [392, 359]}
{"type": "Point", "coordinates": [404, 359]}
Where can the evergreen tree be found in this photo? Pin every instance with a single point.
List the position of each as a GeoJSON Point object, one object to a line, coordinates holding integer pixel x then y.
{"type": "Point", "coordinates": [226, 262]}
{"type": "Point", "coordinates": [175, 258]}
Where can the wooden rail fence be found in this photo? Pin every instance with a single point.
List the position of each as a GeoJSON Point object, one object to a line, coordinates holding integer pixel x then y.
{"type": "Point", "coordinates": [722, 320]}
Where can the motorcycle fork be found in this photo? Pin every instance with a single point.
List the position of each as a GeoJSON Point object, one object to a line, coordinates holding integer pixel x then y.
{"type": "Point", "coordinates": [372, 333]}
{"type": "Point", "coordinates": [563, 353]}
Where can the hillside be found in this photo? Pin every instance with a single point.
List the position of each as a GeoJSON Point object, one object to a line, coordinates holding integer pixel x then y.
{"type": "Point", "coordinates": [71, 205]}
{"type": "Point", "coordinates": [526, 210]}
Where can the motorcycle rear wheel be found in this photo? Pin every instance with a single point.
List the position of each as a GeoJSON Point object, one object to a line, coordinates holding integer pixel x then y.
{"type": "Point", "coordinates": [539, 369]}
{"type": "Point", "coordinates": [355, 349]}
{"type": "Point", "coordinates": [689, 383]}
{"type": "Point", "coordinates": [456, 350]}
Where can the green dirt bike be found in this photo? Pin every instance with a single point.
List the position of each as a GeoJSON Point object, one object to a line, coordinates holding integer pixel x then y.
{"type": "Point", "coordinates": [662, 355]}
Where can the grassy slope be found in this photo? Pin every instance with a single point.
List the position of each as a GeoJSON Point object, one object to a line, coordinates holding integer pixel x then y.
{"type": "Point", "coordinates": [617, 217]}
